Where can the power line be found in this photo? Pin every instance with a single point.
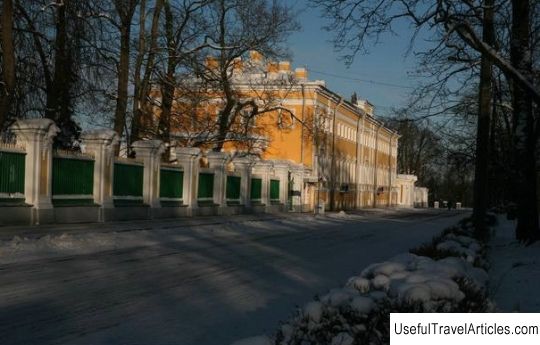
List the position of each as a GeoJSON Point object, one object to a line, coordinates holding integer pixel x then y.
{"type": "Point", "coordinates": [362, 80]}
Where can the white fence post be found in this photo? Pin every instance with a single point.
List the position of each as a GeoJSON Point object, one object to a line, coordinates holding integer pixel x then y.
{"type": "Point", "coordinates": [297, 173]}
{"type": "Point", "coordinates": [102, 144]}
{"type": "Point", "coordinates": [281, 171]}
{"type": "Point", "coordinates": [37, 136]}
{"type": "Point", "coordinates": [244, 167]}
{"type": "Point", "coordinates": [217, 161]}
{"type": "Point", "coordinates": [263, 170]}
{"type": "Point", "coordinates": [150, 151]}
{"type": "Point", "coordinates": [188, 158]}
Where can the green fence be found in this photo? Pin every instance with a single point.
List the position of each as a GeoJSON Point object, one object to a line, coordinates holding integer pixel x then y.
{"type": "Point", "coordinates": [72, 181]}
{"type": "Point", "coordinates": [256, 189]}
{"type": "Point", "coordinates": [205, 192]}
{"type": "Point", "coordinates": [233, 188]}
{"type": "Point", "coordinates": [12, 172]}
{"type": "Point", "coordinates": [171, 183]}
{"type": "Point", "coordinates": [274, 190]}
{"type": "Point", "coordinates": [128, 180]}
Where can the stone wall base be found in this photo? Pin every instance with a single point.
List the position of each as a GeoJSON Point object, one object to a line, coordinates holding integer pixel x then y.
{"type": "Point", "coordinates": [76, 214]}
{"type": "Point", "coordinates": [26, 215]}
{"type": "Point", "coordinates": [126, 213]}
{"type": "Point", "coordinates": [15, 215]}
{"type": "Point", "coordinates": [170, 212]}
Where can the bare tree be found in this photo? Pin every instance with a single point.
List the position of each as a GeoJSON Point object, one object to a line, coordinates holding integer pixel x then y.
{"type": "Point", "coordinates": [483, 127]}
{"type": "Point", "coordinates": [7, 85]}
{"type": "Point", "coordinates": [525, 139]}
{"type": "Point", "coordinates": [240, 26]}
{"type": "Point", "coordinates": [125, 11]}
{"type": "Point", "coordinates": [142, 84]}
{"type": "Point", "coordinates": [356, 21]}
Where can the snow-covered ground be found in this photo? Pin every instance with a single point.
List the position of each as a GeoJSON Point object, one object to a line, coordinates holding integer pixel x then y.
{"type": "Point", "coordinates": [514, 272]}
{"type": "Point", "coordinates": [210, 283]}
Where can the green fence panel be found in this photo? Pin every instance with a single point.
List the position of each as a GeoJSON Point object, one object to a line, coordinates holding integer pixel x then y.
{"type": "Point", "coordinates": [12, 172]}
{"type": "Point", "coordinates": [171, 184]}
{"type": "Point", "coordinates": [274, 189]}
{"type": "Point", "coordinates": [233, 187]}
{"type": "Point", "coordinates": [206, 186]}
{"type": "Point", "coordinates": [128, 180]}
{"type": "Point", "coordinates": [71, 176]}
{"type": "Point", "coordinates": [256, 189]}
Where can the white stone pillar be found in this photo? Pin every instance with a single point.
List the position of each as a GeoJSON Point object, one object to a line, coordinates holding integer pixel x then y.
{"type": "Point", "coordinates": [297, 173]}
{"type": "Point", "coordinates": [243, 165]}
{"type": "Point", "coordinates": [262, 169]}
{"type": "Point", "coordinates": [150, 152]}
{"type": "Point", "coordinates": [102, 145]}
{"type": "Point", "coordinates": [37, 136]}
{"type": "Point", "coordinates": [281, 171]}
{"type": "Point", "coordinates": [217, 161]}
{"type": "Point", "coordinates": [188, 158]}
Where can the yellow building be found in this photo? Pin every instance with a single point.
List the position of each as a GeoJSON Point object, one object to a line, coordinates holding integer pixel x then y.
{"type": "Point", "coordinates": [347, 157]}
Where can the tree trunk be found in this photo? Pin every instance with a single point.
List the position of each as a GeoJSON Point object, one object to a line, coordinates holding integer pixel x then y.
{"type": "Point", "coordinates": [140, 102]}
{"type": "Point", "coordinates": [59, 93]}
{"type": "Point", "coordinates": [527, 229]}
{"type": "Point", "coordinates": [483, 127]}
{"type": "Point", "coordinates": [123, 74]}
{"type": "Point", "coordinates": [8, 62]}
{"type": "Point", "coordinates": [125, 11]}
{"type": "Point", "coordinates": [168, 83]}
{"type": "Point", "coordinates": [230, 103]}
{"type": "Point", "coordinates": [141, 51]}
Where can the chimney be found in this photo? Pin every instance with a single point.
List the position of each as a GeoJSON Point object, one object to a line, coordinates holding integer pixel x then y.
{"type": "Point", "coordinates": [255, 56]}
{"type": "Point", "coordinates": [238, 64]}
{"type": "Point", "coordinates": [367, 107]}
{"type": "Point", "coordinates": [284, 66]}
{"type": "Point", "coordinates": [212, 62]}
{"type": "Point", "coordinates": [272, 67]}
{"type": "Point", "coordinates": [300, 73]}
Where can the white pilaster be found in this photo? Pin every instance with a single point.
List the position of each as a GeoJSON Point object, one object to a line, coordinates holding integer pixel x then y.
{"type": "Point", "coordinates": [37, 136]}
{"type": "Point", "coordinates": [297, 173]}
{"type": "Point", "coordinates": [281, 171]}
{"type": "Point", "coordinates": [243, 165]}
{"type": "Point", "coordinates": [262, 170]}
{"type": "Point", "coordinates": [150, 152]}
{"type": "Point", "coordinates": [189, 157]}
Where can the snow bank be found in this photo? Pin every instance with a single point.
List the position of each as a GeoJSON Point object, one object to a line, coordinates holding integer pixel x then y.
{"type": "Point", "coordinates": [514, 271]}
{"type": "Point", "coordinates": [406, 282]}
{"type": "Point", "coordinates": [260, 340]}
{"type": "Point", "coordinates": [20, 249]}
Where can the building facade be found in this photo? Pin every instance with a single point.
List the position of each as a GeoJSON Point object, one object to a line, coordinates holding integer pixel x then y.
{"type": "Point", "coordinates": [347, 157]}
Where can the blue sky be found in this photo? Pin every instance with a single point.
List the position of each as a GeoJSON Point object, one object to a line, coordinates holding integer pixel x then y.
{"type": "Point", "coordinates": [386, 62]}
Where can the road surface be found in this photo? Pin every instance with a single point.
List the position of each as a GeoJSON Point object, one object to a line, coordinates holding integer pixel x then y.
{"type": "Point", "coordinates": [208, 283]}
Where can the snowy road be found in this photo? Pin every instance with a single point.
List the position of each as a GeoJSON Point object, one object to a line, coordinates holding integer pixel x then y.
{"type": "Point", "coordinates": [196, 285]}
